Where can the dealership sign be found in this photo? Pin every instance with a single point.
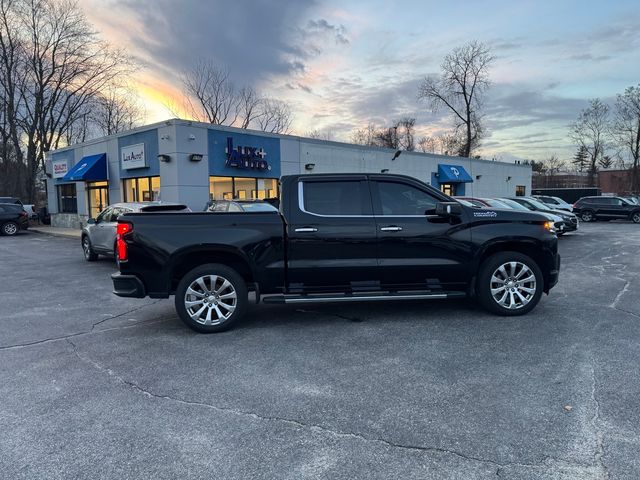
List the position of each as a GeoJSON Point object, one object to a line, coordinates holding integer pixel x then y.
{"type": "Point", "coordinates": [132, 156]}
{"type": "Point", "coordinates": [60, 168]}
{"type": "Point", "coordinates": [247, 158]}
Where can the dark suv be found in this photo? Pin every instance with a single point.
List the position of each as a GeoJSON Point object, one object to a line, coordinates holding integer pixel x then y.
{"type": "Point", "coordinates": [590, 209]}
{"type": "Point", "coordinates": [13, 218]}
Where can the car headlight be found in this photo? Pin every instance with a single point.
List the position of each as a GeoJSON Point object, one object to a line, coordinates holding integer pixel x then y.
{"type": "Point", "coordinates": [549, 227]}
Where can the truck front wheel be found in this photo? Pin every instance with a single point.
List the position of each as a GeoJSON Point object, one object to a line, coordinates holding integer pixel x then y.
{"type": "Point", "coordinates": [211, 298]}
{"type": "Point", "coordinates": [509, 283]}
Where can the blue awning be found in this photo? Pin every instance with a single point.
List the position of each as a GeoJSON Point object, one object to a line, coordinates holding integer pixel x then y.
{"type": "Point", "coordinates": [453, 174]}
{"type": "Point", "coordinates": [90, 168]}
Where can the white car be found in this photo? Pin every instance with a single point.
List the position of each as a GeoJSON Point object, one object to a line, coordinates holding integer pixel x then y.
{"type": "Point", "coordinates": [556, 203]}
{"type": "Point", "coordinates": [31, 211]}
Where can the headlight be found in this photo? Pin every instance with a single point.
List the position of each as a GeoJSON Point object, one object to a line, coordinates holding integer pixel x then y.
{"type": "Point", "coordinates": [548, 226]}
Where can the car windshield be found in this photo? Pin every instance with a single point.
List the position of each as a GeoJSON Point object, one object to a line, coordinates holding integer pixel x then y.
{"type": "Point", "coordinates": [513, 204]}
{"type": "Point", "coordinates": [258, 207]}
{"type": "Point", "coordinates": [496, 203]}
{"type": "Point", "coordinates": [627, 201]}
{"type": "Point", "coordinates": [537, 204]}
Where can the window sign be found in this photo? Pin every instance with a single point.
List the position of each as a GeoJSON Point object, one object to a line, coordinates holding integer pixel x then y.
{"type": "Point", "coordinates": [60, 168]}
{"type": "Point", "coordinates": [132, 156]}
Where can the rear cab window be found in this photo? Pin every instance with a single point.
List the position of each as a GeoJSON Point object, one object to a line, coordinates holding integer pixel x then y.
{"type": "Point", "coordinates": [333, 198]}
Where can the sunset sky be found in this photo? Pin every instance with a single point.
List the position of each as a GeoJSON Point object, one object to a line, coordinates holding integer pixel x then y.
{"type": "Point", "coordinates": [343, 64]}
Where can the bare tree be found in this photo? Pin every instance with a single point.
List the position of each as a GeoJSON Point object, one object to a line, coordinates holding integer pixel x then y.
{"type": "Point", "coordinates": [213, 94]}
{"type": "Point", "coordinates": [365, 136]}
{"type": "Point", "coordinates": [553, 165]}
{"type": "Point", "coordinates": [590, 132]}
{"type": "Point", "coordinates": [427, 144]}
{"type": "Point", "coordinates": [115, 110]}
{"type": "Point", "coordinates": [60, 64]}
{"type": "Point", "coordinates": [247, 107]}
{"type": "Point", "coordinates": [626, 130]}
{"type": "Point", "coordinates": [320, 135]}
{"type": "Point", "coordinates": [459, 89]}
{"type": "Point", "coordinates": [275, 116]}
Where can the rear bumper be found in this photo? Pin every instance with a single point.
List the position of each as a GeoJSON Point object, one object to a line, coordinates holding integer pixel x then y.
{"type": "Point", "coordinates": [127, 286]}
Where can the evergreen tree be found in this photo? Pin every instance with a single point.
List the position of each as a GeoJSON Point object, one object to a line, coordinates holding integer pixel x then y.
{"type": "Point", "coordinates": [581, 159]}
{"type": "Point", "coordinates": [605, 161]}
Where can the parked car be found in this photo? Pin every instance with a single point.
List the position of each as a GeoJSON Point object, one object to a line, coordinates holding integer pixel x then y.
{"type": "Point", "coordinates": [570, 221]}
{"type": "Point", "coordinates": [239, 206]}
{"type": "Point", "coordinates": [338, 238]}
{"type": "Point", "coordinates": [634, 200]}
{"type": "Point", "coordinates": [484, 202]}
{"type": "Point", "coordinates": [554, 202]}
{"type": "Point", "coordinates": [13, 218]}
{"type": "Point", "coordinates": [31, 211]}
{"type": "Point", "coordinates": [606, 208]}
{"type": "Point", "coordinates": [558, 222]}
{"type": "Point", "coordinates": [99, 234]}
{"type": "Point", "coordinates": [10, 200]}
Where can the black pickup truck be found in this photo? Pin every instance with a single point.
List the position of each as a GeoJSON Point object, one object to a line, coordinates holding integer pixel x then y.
{"type": "Point", "coordinates": [338, 238]}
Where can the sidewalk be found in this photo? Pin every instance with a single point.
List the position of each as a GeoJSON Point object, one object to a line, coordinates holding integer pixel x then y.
{"type": "Point", "coordinates": [56, 232]}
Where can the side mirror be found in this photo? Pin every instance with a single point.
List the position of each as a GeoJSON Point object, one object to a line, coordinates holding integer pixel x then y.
{"type": "Point", "coordinates": [448, 209]}
{"type": "Point", "coordinates": [91, 221]}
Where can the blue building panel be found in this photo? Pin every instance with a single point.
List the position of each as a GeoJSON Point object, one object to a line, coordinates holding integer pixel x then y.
{"type": "Point", "coordinates": [150, 140]}
{"type": "Point", "coordinates": [243, 155]}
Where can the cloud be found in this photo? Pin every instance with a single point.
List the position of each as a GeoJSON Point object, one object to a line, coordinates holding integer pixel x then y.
{"type": "Point", "coordinates": [254, 41]}
{"type": "Point", "coordinates": [322, 26]}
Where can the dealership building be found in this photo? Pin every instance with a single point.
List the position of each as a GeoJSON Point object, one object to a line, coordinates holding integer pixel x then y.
{"type": "Point", "coordinates": [192, 163]}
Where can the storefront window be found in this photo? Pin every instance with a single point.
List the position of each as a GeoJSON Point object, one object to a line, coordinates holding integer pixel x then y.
{"type": "Point", "coordinates": [244, 188]}
{"type": "Point", "coordinates": [521, 190]}
{"type": "Point", "coordinates": [238, 188]}
{"type": "Point", "coordinates": [448, 189]}
{"type": "Point", "coordinates": [143, 189]}
{"type": "Point", "coordinates": [98, 195]}
{"type": "Point", "coordinates": [67, 198]}
{"type": "Point", "coordinates": [220, 188]}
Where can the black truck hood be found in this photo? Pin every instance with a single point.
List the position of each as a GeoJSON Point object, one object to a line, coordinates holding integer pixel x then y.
{"type": "Point", "coordinates": [503, 214]}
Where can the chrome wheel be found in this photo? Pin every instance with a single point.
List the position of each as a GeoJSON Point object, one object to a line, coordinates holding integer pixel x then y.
{"type": "Point", "coordinates": [10, 229]}
{"type": "Point", "coordinates": [636, 217]}
{"type": "Point", "coordinates": [586, 216]}
{"type": "Point", "coordinates": [513, 285]}
{"type": "Point", "coordinates": [210, 300]}
{"type": "Point", "coordinates": [86, 247]}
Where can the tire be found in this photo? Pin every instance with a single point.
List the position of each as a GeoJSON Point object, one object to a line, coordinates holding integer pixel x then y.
{"type": "Point", "coordinates": [211, 284]}
{"type": "Point", "coordinates": [525, 267]}
{"type": "Point", "coordinates": [87, 250]}
{"type": "Point", "coordinates": [635, 217]}
{"type": "Point", "coordinates": [588, 216]}
{"type": "Point", "coordinates": [10, 229]}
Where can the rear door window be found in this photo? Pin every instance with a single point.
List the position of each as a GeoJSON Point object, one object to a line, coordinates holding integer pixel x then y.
{"type": "Point", "coordinates": [335, 198]}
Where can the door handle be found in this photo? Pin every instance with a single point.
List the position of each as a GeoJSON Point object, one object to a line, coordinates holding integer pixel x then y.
{"type": "Point", "coordinates": [306, 230]}
{"type": "Point", "coordinates": [391, 228]}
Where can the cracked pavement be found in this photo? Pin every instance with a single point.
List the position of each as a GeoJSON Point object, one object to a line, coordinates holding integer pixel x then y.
{"type": "Point", "coordinates": [95, 386]}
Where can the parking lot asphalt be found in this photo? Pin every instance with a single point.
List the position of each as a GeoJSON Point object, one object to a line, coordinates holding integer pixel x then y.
{"type": "Point", "coordinates": [95, 386]}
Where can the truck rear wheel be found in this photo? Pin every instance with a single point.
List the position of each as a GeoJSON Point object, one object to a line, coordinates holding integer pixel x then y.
{"type": "Point", "coordinates": [509, 284]}
{"type": "Point", "coordinates": [211, 298]}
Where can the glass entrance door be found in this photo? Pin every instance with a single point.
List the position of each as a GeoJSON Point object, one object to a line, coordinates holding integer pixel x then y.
{"type": "Point", "coordinates": [98, 194]}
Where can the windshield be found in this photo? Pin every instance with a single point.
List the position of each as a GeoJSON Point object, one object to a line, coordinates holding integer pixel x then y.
{"type": "Point", "coordinates": [513, 204]}
{"type": "Point", "coordinates": [496, 203]}
{"type": "Point", "coordinates": [537, 204]}
{"type": "Point", "coordinates": [258, 207]}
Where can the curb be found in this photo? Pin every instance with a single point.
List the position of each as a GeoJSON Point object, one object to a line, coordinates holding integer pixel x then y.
{"type": "Point", "coordinates": [73, 236]}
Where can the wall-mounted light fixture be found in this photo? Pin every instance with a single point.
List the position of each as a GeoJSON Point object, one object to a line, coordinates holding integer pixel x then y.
{"type": "Point", "coordinates": [478, 177]}
{"type": "Point", "coordinates": [165, 137]}
{"type": "Point", "coordinates": [164, 158]}
{"type": "Point", "coordinates": [397, 154]}
{"type": "Point", "coordinates": [508, 178]}
{"type": "Point", "coordinates": [192, 137]}
{"type": "Point", "coordinates": [384, 170]}
{"type": "Point", "coordinates": [310, 166]}
{"type": "Point", "coordinates": [195, 157]}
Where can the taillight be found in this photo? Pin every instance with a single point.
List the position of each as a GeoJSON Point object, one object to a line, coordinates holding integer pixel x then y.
{"type": "Point", "coordinates": [121, 231]}
{"type": "Point", "coordinates": [575, 205]}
